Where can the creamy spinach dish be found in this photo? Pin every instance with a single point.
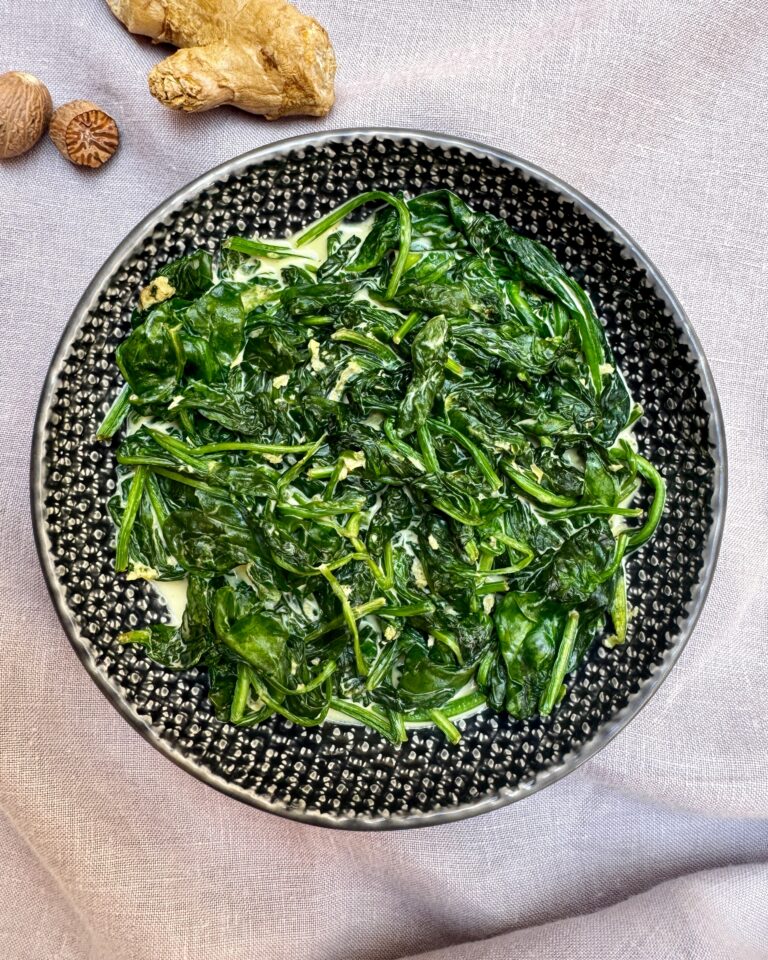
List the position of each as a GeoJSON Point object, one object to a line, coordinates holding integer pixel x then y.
{"type": "Point", "coordinates": [390, 462]}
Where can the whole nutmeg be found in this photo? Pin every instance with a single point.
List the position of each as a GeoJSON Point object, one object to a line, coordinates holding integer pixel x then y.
{"type": "Point", "coordinates": [84, 134]}
{"type": "Point", "coordinates": [25, 109]}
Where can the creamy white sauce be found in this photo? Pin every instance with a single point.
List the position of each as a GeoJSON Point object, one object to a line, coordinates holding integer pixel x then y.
{"type": "Point", "coordinates": [174, 593]}
{"type": "Point", "coordinates": [374, 420]}
{"type": "Point", "coordinates": [572, 456]}
{"type": "Point", "coordinates": [310, 254]}
{"type": "Point", "coordinates": [373, 623]}
{"type": "Point", "coordinates": [311, 609]}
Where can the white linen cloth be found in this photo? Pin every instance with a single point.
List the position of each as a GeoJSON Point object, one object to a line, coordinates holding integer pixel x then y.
{"type": "Point", "coordinates": [658, 847]}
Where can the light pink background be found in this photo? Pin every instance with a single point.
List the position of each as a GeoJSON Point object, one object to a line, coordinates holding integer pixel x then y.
{"type": "Point", "coordinates": [655, 849]}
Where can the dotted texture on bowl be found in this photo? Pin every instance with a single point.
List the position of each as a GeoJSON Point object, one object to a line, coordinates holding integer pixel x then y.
{"type": "Point", "coordinates": [344, 775]}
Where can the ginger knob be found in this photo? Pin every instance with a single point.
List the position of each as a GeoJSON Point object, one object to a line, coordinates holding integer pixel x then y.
{"type": "Point", "coordinates": [84, 134]}
{"type": "Point", "coordinates": [263, 56]}
{"type": "Point", "coordinates": [25, 109]}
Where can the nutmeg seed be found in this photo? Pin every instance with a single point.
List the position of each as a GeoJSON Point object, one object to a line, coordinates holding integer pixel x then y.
{"type": "Point", "coordinates": [84, 134]}
{"type": "Point", "coordinates": [25, 109]}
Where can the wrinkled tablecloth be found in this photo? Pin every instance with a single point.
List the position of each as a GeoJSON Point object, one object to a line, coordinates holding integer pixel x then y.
{"type": "Point", "coordinates": [656, 848]}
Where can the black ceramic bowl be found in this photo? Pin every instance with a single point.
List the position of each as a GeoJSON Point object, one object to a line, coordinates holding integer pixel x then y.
{"type": "Point", "coordinates": [347, 776]}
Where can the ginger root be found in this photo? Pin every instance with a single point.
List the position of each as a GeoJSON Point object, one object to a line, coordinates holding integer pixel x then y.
{"type": "Point", "coordinates": [263, 56]}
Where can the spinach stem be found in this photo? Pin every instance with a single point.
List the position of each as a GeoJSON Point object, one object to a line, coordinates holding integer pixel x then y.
{"type": "Point", "coordinates": [115, 415]}
{"type": "Point", "coordinates": [266, 697]}
{"type": "Point", "coordinates": [132, 504]}
{"type": "Point", "coordinates": [595, 509]}
{"type": "Point", "coordinates": [156, 499]}
{"type": "Point", "coordinates": [316, 509]}
{"type": "Point", "coordinates": [404, 215]}
{"type": "Point", "coordinates": [534, 489]}
{"type": "Point", "coordinates": [318, 679]}
{"type": "Point", "coordinates": [619, 612]}
{"type": "Point", "coordinates": [334, 478]}
{"type": "Point", "coordinates": [483, 463]}
{"type": "Point", "coordinates": [258, 716]}
{"type": "Point", "coordinates": [448, 641]}
{"type": "Point", "coordinates": [403, 448]}
{"type": "Point", "coordinates": [257, 248]}
{"type": "Point", "coordinates": [191, 482]}
{"type": "Point", "coordinates": [376, 571]}
{"type": "Point", "coordinates": [389, 564]}
{"type": "Point", "coordinates": [240, 696]}
{"type": "Point", "coordinates": [553, 690]}
{"type": "Point", "coordinates": [427, 447]}
{"type": "Point", "coordinates": [504, 571]}
{"type": "Point", "coordinates": [440, 720]}
{"type": "Point", "coordinates": [182, 452]}
{"type": "Point", "coordinates": [622, 541]}
{"type": "Point", "coordinates": [270, 448]}
{"type": "Point", "coordinates": [455, 513]}
{"type": "Point", "coordinates": [454, 367]}
{"type": "Point", "coordinates": [397, 723]}
{"type": "Point", "coordinates": [366, 342]}
{"type": "Point", "coordinates": [349, 617]}
{"type": "Point", "coordinates": [290, 475]}
{"type": "Point", "coordinates": [646, 470]}
{"type": "Point", "coordinates": [650, 473]}
{"type": "Point", "coordinates": [186, 422]}
{"type": "Point", "coordinates": [587, 327]}
{"type": "Point", "coordinates": [382, 666]}
{"type": "Point", "coordinates": [321, 473]}
{"type": "Point", "coordinates": [406, 326]}
{"type": "Point", "coordinates": [370, 716]}
{"type": "Point", "coordinates": [407, 610]}
{"type": "Point", "coordinates": [358, 612]}
{"type": "Point", "coordinates": [454, 708]}
{"type": "Point", "coordinates": [492, 586]}
{"type": "Point", "coordinates": [317, 321]}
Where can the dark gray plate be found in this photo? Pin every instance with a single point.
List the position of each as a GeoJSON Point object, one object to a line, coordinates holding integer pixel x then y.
{"type": "Point", "coordinates": [344, 776]}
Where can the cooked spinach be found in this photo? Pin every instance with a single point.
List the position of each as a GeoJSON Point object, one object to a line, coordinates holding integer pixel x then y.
{"type": "Point", "coordinates": [396, 476]}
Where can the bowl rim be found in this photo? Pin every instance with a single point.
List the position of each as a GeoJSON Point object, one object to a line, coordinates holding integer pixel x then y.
{"type": "Point", "coordinates": [606, 732]}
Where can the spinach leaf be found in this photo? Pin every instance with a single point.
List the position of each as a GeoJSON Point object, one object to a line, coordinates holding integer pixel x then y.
{"type": "Point", "coordinates": [582, 563]}
{"type": "Point", "coordinates": [214, 326]}
{"type": "Point", "coordinates": [209, 540]}
{"type": "Point", "coordinates": [428, 355]}
{"type": "Point", "coordinates": [190, 276]}
{"type": "Point", "coordinates": [243, 404]}
{"type": "Point", "coordinates": [151, 359]}
{"type": "Point", "coordinates": [252, 634]}
{"type": "Point", "coordinates": [528, 648]}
